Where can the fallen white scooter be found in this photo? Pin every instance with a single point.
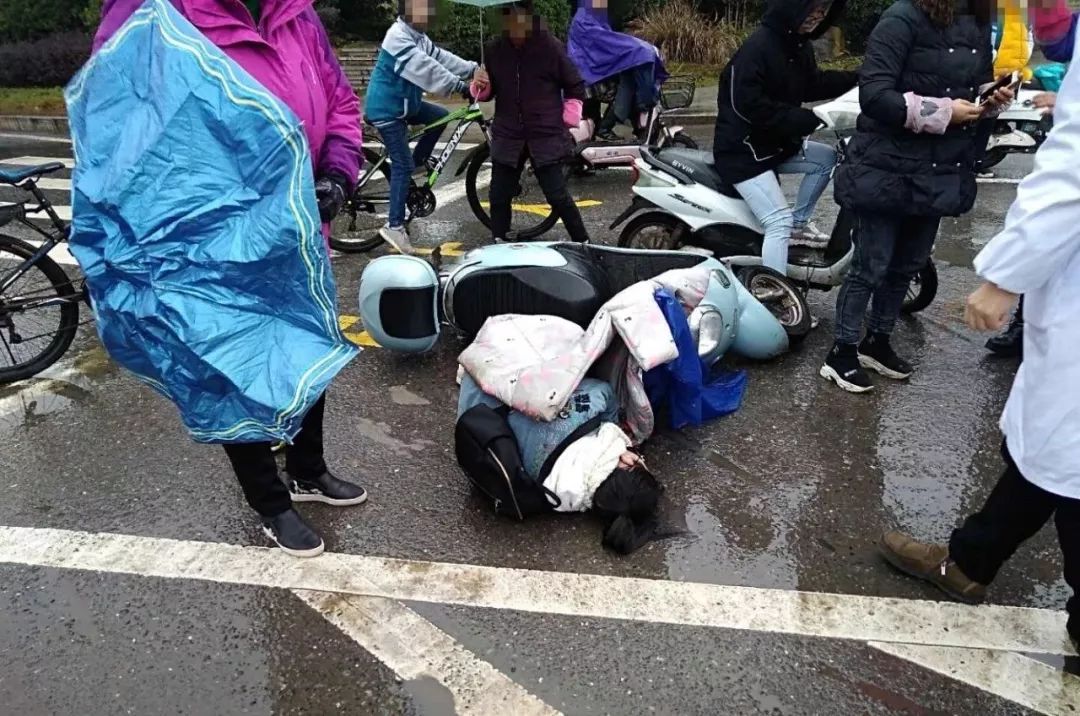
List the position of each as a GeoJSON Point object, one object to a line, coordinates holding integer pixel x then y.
{"type": "Point", "coordinates": [680, 200]}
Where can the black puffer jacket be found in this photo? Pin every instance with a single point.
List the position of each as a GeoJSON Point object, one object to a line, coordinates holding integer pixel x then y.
{"type": "Point", "coordinates": [760, 120]}
{"type": "Point", "coordinates": [530, 83]}
{"type": "Point", "coordinates": [889, 168]}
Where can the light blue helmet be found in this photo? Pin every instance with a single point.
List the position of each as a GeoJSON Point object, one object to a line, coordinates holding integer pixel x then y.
{"type": "Point", "coordinates": [399, 303]}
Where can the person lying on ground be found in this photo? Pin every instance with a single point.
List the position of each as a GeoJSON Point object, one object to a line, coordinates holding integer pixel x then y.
{"type": "Point", "coordinates": [584, 458]}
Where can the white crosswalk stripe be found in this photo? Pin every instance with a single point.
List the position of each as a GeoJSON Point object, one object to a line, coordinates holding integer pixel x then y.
{"type": "Point", "coordinates": [63, 211]}
{"type": "Point", "coordinates": [37, 161]}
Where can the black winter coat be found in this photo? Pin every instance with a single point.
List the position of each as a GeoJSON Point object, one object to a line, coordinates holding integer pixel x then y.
{"type": "Point", "coordinates": [889, 168]}
{"type": "Point", "coordinates": [760, 120]}
{"type": "Point", "coordinates": [529, 84]}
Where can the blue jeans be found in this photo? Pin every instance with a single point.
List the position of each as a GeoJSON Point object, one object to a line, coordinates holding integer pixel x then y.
{"type": "Point", "coordinates": [766, 200]}
{"type": "Point", "coordinates": [395, 136]}
{"type": "Point", "coordinates": [637, 91]}
{"type": "Point", "coordinates": [889, 251]}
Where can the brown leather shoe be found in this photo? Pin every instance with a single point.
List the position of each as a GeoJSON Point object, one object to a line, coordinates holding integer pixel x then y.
{"type": "Point", "coordinates": [931, 563]}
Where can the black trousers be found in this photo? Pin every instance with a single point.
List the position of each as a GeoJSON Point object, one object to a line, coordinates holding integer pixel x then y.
{"type": "Point", "coordinates": [256, 468]}
{"type": "Point", "coordinates": [504, 182]}
{"type": "Point", "coordinates": [1015, 510]}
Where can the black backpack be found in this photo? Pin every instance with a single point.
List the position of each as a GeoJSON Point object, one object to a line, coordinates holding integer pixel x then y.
{"type": "Point", "coordinates": [488, 453]}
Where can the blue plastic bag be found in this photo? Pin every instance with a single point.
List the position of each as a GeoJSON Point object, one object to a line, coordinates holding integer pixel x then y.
{"type": "Point", "coordinates": [683, 389]}
{"type": "Point", "coordinates": [196, 225]}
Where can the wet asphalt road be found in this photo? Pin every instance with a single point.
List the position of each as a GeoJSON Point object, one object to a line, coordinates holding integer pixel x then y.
{"type": "Point", "coordinates": [789, 493]}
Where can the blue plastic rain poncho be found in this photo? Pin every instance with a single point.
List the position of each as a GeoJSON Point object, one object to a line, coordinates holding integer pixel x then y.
{"type": "Point", "coordinates": [196, 225]}
{"type": "Point", "coordinates": [683, 388]}
{"type": "Point", "coordinates": [601, 53]}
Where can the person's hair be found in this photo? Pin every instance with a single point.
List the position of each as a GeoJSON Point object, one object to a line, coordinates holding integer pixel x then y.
{"type": "Point", "coordinates": [627, 502]}
{"type": "Point", "coordinates": [943, 12]}
{"type": "Point", "coordinates": [940, 12]}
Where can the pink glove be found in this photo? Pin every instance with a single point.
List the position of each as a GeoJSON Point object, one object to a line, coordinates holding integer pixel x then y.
{"type": "Point", "coordinates": [480, 95]}
{"type": "Point", "coordinates": [927, 114]}
{"type": "Point", "coordinates": [571, 112]}
{"type": "Point", "coordinates": [1049, 24]}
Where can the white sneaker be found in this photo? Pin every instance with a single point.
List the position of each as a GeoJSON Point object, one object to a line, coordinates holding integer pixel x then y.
{"type": "Point", "coordinates": [809, 235]}
{"type": "Point", "coordinates": [397, 238]}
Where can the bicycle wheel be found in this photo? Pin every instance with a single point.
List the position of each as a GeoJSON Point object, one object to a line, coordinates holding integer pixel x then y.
{"type": "Point", "coordinates": [32, 339]}
{"type": "Point", "coordinates": [356, 230]}
{"type": "Point", "coordinates": [530, 214]}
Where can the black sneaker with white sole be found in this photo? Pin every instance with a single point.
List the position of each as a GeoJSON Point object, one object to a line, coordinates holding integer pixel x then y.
{"type": "Point", "coordinates": [842, 367]}
{"type": "Point", "coordinates": [876, 354]}
{"type": "Point", "coordinates": [293, 535]}
{"type": "Point", "coordinates": [328, 490]}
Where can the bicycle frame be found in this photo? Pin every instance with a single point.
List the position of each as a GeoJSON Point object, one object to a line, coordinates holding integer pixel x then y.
{"type": "Point", "coordinates": [52, 240]}
{"type": "Point", "coordinates": [466, 117]}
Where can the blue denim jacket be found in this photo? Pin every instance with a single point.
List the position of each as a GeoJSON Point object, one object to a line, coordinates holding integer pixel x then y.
{"type": "Point", "coordinates": [536, 439]}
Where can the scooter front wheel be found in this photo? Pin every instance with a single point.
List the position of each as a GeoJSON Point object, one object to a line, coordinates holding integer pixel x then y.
{"type": "Point", "coordinates": [654, 230]}
{"type": "Point", "coordinates": [781, 297]}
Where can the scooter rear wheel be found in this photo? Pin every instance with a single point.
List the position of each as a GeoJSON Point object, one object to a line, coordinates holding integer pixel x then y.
{"type": "Point", "coordinates": [654, 230]}
{"type": "Point", "coordinates": [781, 297]}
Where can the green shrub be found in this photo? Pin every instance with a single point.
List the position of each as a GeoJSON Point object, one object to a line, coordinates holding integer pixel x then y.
{"type": "Point", "coordinates": [457, 27]}
{"type": "Point", "coordinates": [91, 16]}
{"type": "Point", "coordinates": [859, 20]}
{"type": "Point", "coordinates": [31, 19]}
{"type": "Point", "coordinates": [364, 19]}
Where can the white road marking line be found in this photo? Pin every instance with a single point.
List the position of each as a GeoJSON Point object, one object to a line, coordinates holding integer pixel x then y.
{"type": "Point", "coordinates": [60, 253]}
{"type": "Point", "coordinates": [456, 191]}
{"type": "Point", "coordinates": [998, 180]}
{"type": "Point", "coordinates": [35, 137]}
{"type": "Point", "coordinates": [1012, 676]}
{"type": "Point", "coordinates": [36, 161]}
{"type": "Point", "coordinates": [63, 211]}
{"type": "Point", "coordinates": [413, 647]}
{"type": "Point", "coordinates": [439, 147]}
{"type": "Point", "coordinates": [50, 184]}
{"type": "Point", "coordinates": [836, 616]}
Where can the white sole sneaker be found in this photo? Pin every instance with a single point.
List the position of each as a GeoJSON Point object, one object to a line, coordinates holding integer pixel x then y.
{"type": "Point", "coordinates": [313, 552]}
{"type": "Point", "coordinates": [829, 373]}
{"type": "Point", "coordinates": [323, 499]}
{"type": "Point", "coordinates": [871, 364]}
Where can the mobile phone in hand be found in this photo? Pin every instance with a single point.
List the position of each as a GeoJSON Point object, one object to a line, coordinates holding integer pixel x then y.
{"type": "Point", "coordinates": [1013, 80]}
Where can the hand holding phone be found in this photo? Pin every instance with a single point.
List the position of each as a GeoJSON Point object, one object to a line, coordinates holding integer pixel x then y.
{"type": "Point", "coordinates": [1010, 82]}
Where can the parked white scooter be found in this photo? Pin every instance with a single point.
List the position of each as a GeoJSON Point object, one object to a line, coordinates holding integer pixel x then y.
{"type": "Point", "coordinates": [680, 200]}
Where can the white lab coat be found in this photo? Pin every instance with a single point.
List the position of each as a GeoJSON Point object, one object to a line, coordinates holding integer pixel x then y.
{"type": "Point", "coordinates": [1037, 254]}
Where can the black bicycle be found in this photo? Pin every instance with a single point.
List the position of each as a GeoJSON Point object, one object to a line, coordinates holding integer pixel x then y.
{"type": "Point", "coordinates": [39, 303]}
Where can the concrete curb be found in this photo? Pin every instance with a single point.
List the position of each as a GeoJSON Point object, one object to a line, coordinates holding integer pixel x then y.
{"type": "Point", "coordinates": [56, 126]}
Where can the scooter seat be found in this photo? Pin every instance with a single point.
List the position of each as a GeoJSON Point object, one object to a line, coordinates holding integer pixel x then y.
{"type": "Point", "coordinates": [692, 165]}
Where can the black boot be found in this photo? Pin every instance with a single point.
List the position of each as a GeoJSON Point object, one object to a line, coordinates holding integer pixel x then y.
{"type": "Point", "coordinates": [1010, 342]}
{"type": "Point", "coordinates": [295, 536]}
{"type": "Point", "coordinates": [876, 354]}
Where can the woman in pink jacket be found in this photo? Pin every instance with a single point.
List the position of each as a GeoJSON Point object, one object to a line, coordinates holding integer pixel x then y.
{"type": "Point", "coordinates": [283, 45]}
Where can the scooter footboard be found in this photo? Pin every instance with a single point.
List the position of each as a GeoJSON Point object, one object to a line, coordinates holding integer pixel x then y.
{"type": "Point", "coordinates": [760, 335]}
